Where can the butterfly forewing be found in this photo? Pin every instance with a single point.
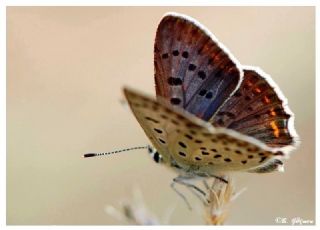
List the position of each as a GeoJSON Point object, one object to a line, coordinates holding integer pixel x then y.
{"type": "Point", "coordinates": [194, 144]}
{"type": "Point", "coordinates": [192, 69]}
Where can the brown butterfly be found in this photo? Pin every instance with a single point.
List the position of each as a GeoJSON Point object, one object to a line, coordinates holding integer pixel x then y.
{"type": "Point", "coordinates": [212, 115]}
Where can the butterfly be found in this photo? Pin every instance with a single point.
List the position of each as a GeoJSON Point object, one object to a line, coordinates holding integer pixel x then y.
{"type": "Point", "coordinates": [211, 115]}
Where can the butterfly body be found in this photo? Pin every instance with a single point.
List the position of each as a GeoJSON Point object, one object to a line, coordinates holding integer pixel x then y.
{"type": "Point", "coordinates": [211, 115]}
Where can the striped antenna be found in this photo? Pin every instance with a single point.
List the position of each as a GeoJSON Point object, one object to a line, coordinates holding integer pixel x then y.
{"type": "Point", "coordinates": [113, 152]}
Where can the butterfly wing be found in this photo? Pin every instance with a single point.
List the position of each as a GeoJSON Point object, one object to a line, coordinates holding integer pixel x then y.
{"type": "Point", "coordinates": [258, 109]}
{"type": "Point", "coordinates": [192, 69]}
{"type": "Point", "coordinates": [196, 145]}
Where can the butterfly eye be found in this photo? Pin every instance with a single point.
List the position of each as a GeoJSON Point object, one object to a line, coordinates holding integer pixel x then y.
{"type": "Point", "coordinates": [157, 157]}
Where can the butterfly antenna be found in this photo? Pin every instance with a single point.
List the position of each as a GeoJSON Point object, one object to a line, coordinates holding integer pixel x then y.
{"type": "Point", "coordinates": [113, 152]}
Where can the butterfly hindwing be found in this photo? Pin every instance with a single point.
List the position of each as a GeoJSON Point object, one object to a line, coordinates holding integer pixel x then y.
{"type": "Point", "coordinates": [258, 109]}
{"type": "Point", "coordinates": [194, 144]}
{"type": "Point", "coordinates": [192, 69]}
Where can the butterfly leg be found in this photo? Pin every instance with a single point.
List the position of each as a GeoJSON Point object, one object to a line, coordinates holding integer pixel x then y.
{"type": "Point", "coordinates": [221, 179]}
{"type": "Point", "coordinates": [194, 189]}
{"type": "Point", "coordinates": [206, 185]}
{"type": "Point", "coordinates": [180, 194]}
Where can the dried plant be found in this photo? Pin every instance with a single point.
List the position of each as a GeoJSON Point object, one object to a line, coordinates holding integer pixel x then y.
{"type": "Point", "coordinates": [216, 203]}
{"type": "Point", "coordinates": [220, 195]}
{"type": "Point", "coordinates": [135, 211]}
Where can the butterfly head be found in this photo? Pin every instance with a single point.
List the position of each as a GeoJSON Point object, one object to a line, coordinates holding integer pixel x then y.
{"type": "Point", "coordinates": [156, 156]}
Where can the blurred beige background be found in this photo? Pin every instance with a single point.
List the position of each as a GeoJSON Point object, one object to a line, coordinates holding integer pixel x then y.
{"type": "Point", "coordinates": [65, 70]}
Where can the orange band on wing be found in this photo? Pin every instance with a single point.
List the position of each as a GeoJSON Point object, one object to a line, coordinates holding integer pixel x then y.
{"type": "Point", "coordinates": [257, 90]}
{"type": "Point", "coordinates": [275, 128]}
{"type": "Point", "coordinates": [266, 99]}
{"type": "Point", "coordinates": [272, 112]}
